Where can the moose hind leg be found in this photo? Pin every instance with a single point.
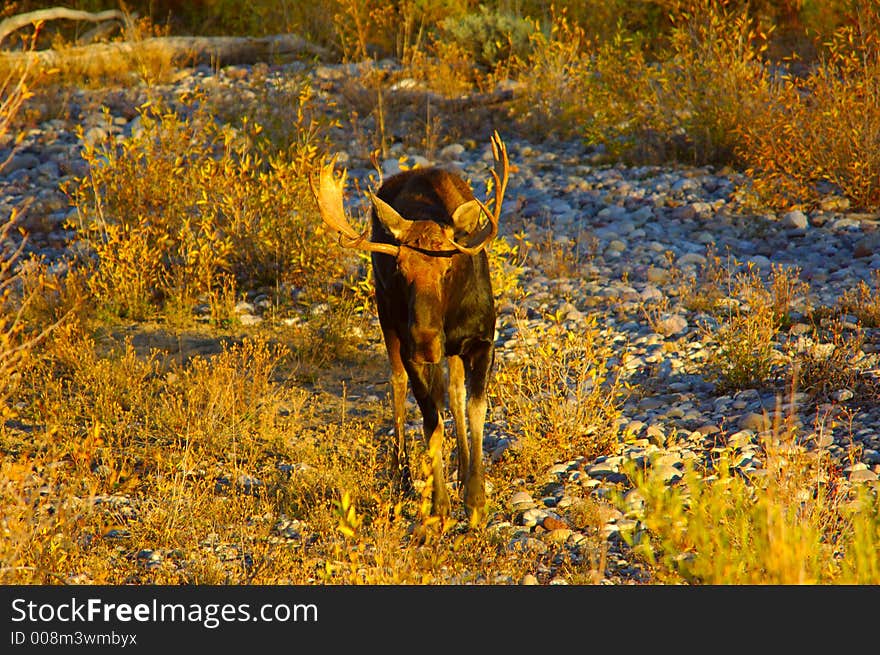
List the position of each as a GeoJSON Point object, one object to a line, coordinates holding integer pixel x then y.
{"type": "Point", "coordinates": [477, 405]}
{"type": "Point", "coordinates": [457, 398]}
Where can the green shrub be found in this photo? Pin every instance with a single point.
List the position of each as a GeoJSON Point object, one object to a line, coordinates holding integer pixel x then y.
{"type": "Point", "coordinates": [491, 37]}
{"type": "Point", "coordinates": [187, 210]}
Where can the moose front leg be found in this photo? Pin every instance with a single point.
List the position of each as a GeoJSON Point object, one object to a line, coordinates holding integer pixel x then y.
{"type": "Point", "coordinates": [400, 471]}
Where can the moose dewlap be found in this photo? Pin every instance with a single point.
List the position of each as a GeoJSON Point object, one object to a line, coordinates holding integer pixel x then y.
{"type": "Point", "coordinates": [428, 243]}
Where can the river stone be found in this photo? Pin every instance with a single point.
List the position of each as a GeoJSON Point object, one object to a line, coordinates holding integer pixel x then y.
{"type": "Point", "coordinates": [755, 421]}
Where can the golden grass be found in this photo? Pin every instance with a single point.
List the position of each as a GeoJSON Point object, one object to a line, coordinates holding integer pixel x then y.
{"type": "Point", "coordinates": [245, 466]}
{"type": "Point", "coordinates": [792, 524]}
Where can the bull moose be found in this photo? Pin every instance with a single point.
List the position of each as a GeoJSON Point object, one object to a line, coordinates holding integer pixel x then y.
{"type": "Point", "coordinates": [428, 240]}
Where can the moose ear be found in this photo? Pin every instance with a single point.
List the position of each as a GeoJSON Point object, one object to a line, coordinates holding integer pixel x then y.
{"type": "Point", "coordinates": [466, 217]}
{"type": "Point", "coordinates": [396, 224]}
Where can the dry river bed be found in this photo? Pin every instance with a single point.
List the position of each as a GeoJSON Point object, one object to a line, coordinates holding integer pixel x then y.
{"type": "Point", "coordinates": [610, 246]}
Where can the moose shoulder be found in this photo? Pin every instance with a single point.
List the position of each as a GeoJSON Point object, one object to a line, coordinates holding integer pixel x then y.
{"type": "Point", "coordinates": [428, 241]}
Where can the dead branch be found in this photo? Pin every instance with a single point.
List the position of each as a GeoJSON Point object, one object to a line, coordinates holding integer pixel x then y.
{"type": "Point", "coordinates": [14, 23]}
{"type": "Point", "coordinates": [398, 97]}
{"type": "Point", "coordinates": [461, 103]}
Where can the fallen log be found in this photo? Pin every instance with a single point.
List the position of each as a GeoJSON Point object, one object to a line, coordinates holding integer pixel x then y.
{"type": "Point", "coordinates": [178, 50]}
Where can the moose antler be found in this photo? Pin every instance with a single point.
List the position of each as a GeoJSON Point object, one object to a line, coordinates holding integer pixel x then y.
{"type": "Point", "coordinates": [328, 195]}
{"type": "Point", "coordinates": [500, 175]}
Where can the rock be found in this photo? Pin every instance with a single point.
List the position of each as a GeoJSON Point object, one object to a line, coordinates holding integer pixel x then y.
{"type": "Point", "coordinates": [667, 473]}
{"type": "Point", "coordinates": [651, 402]}
{"type": "Point", "coordinates": [551, 522]}
{"type": "Point", "coordinates": [615, 243]}
{"type": "Point", "coordinates": [95, 135]}
{"type": "Point", "coordinates": [667, 459]}
{"type": "Point", "coordinates": [501, 447]}
{"type": "Point", "coordinates": [558, 535]}
{"type": "Point", "coordinates": [149, 558]}
{"type": "Point", "coordinates": [671, 326]}
{"type": "Point", "coordinates": [651, 293]}
{"type": "Point", "coordinates": [866, 246]}
{"type": "Point", "coordinates": [760, 261]}
{"type": "Point", "coordinates": [755, 421]}
{"type": "Point", "coordinates": [657, 275]}
{"type": "Point", "coordinates": [834, 204]}
{"type": "Point", "coordinates": [390, 167]}
{"type": "Point", "coordinates": [527, 546]}
{"type": "Point", "coordinates": [656, 435]}
{"type": "Point", "coordinates": [324, 72]}
{"type": "Point", "coordinates": [703, 210]}
{"type": "Point", "coordinates": [249, 319]}
{"type": "Point", "coordinates": [841, 395]}
{"type": "Point", "coordinates": [684, 212]}
{"type": "Point", "coordinates": [741, 439]}
{"type": "Point", "coordinates": [692, 259]}
{"type": "Point", "coordinates": [859, 472]}
{"type": "Point", "coordinates": [521, 500]}
{"type": "Point", "coordinates": [863, 475]}
{"type": "Point", "coordinates": [452, 151]}
{"type": "Point", "coordinates": [21, 161]}
{"type": "Point", "coordinates": [795, 219]}
{"type": "Point", "coordinates": [533, 516]}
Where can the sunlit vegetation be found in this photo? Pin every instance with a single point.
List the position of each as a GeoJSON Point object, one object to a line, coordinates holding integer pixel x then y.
{"type": "Point", "coordinates": [149, 435]}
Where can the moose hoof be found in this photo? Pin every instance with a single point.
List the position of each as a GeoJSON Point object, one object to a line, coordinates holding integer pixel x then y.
{"type": "Point", "coordinates": [476, 515]}
{"type": "Point", "coordinates": [475, 505]}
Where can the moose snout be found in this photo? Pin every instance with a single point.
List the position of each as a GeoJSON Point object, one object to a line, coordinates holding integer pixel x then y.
{"type": "Point", "coordinates": [427, 346]}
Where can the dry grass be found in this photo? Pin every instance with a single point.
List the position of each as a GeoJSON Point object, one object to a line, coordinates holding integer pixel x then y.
{"type": "Point", "coordinates": [751, 318]}
{"type": "Point", "coordinates": [559, 396]}
{"type": "Point", "coordinates": [818, 134]}
{"type": "Point", "coordinates": [245, 466]}
{"type": "Point", "coordinates": [863, 301]}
